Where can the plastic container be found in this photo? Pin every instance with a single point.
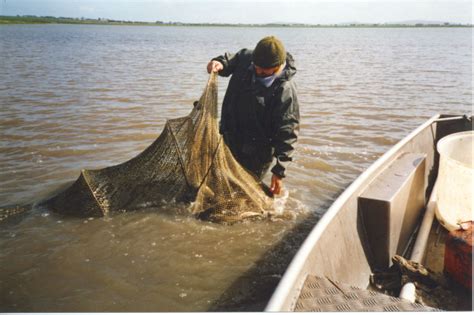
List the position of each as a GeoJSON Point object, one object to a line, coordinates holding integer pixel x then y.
{"type": "Point", "coordinates": [455, 180]}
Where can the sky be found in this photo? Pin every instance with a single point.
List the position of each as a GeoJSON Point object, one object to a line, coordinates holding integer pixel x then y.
{"type": "Point", "coordinates": [249, 11]}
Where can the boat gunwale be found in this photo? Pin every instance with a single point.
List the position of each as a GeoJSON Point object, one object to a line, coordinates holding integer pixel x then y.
{"type": "Point", "coordinates": [296, 266]}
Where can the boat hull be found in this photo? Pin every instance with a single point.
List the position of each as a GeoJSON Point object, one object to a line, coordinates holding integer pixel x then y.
{"type": "Point", "coordinates": [337, 248]}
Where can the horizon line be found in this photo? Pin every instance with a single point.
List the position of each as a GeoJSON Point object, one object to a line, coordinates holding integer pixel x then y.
{"type": "Point", "coordinates": [102, 20]}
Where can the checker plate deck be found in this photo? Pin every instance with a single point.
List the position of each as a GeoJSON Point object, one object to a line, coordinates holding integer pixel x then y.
{"type": "Point", "coordinates": [323, 295]}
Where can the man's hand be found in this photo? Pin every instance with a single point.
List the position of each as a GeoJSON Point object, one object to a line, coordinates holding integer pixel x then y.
{"type": "Point", "coordinates": [214, 66]}
{"type": "Point", "coordinates": [277, 185]}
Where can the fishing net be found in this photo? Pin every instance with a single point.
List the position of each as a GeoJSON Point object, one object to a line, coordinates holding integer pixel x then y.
{"type": "Point", "coordinates": [189, 162]}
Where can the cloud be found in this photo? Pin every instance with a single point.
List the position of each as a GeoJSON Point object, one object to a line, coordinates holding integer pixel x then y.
{"type": "Point", "coordinates": [87, 9]}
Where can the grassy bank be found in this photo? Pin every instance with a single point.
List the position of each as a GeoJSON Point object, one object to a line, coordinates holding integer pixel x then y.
{"type": "Point", "coordinates": [30, 19]}
{"type": "Point", "coordinates": [63, 20]}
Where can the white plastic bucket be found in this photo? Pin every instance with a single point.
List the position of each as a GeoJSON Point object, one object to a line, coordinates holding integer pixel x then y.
{"type": "Point", "coordinates": [455, 180]}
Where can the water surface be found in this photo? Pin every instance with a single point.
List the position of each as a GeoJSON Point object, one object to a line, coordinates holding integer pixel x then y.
{"type": "Point", "coordinates": [84, 96]}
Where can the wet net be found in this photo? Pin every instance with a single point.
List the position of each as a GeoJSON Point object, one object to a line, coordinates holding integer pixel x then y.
{"type": "Point", "coordinates": [188, 163]}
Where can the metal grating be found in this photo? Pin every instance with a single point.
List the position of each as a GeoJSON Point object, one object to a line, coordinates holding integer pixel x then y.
{"type": "Point", "coordinates": [322, 295]}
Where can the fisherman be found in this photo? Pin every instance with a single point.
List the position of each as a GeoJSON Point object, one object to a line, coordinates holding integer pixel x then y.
{"type": "Point", "coordinates": [260, 112]}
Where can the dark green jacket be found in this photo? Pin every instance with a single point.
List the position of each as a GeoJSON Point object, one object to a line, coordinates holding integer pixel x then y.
{"type": "Point", "coordinates": [259, 123]}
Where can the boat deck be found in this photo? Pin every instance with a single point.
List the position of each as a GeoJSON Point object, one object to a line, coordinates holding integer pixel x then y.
{"type": "Point", "coordinates": [324, 295]}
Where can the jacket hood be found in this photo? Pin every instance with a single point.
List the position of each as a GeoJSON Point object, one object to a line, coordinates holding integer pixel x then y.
{"type": "Point", "coordinates": [290, 69]}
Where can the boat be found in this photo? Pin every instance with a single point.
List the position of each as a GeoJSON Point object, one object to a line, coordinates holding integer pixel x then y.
{"type": "Point", "coordinates": [386, 212]}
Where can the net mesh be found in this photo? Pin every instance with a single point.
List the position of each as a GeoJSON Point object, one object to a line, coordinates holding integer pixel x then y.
{"type": "Point", "coordinates": [189, 162]}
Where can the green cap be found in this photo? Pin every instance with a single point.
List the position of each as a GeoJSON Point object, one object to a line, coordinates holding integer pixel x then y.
{"type": "Point", "coordinates": [269, 52]}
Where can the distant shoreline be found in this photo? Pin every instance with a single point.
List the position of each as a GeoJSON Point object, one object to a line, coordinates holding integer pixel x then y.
{"type": "Point", "coordinates": [29, 19]}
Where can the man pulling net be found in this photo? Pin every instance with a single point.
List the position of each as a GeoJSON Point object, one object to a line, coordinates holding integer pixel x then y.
{"type": "Point", "coordinates": [190, 163]}
{"type": "Point", "coordinates": [260, 112]}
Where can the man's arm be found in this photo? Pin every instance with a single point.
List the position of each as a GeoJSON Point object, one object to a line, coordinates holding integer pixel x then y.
{"type": "Point", "coordinates": [286, 128]}
{"type": "Point", "coordinates": [228, 61]}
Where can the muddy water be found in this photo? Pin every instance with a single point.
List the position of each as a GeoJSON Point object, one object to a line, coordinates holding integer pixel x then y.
{"type": "Point", "coordinates": [75, 97]}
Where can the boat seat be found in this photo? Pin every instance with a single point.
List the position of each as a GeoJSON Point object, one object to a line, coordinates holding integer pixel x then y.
{"type": "Point", "coordinates": [320, 294]}
{"type": "Point", "coordinates": [391, 205]}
